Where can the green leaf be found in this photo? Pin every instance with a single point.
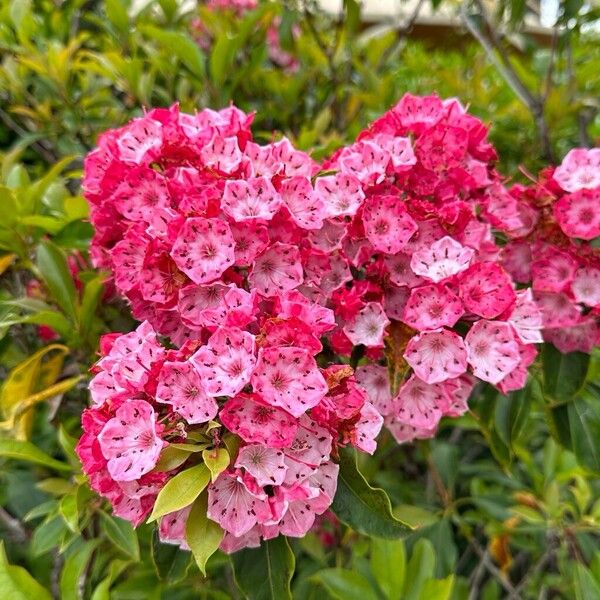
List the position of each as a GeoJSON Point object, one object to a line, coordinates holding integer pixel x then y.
{"type": "Point", "coordinates": [564, 374]}
{"type": "Point", "coordinates": [420, 568]}
{"type": "Point", "coordinates": [73, 569]}
{"type": "Point", "coordinates": [362, 507]}
{"type": "Point", "coordinates": [69, 511]}
{"type": "Point", "coordinates": [171, 563]}
{"type": "Point", "coordinates": [180, 45]}
{"type": "Point", "coordinates": [171, 458]}
{"type": "Point", "coordinates": [180, 491]}
{"type": "Point", "coordinates": [221, 58]}
{"type": "Point", "coordinates": [585, 585]}
{"type": "Point", "coordinates": [89, 303]}
{"type": "Point", "coordinates": [344, 584]}
{"type": "Point", "coordinates": [26, 451]}
{"type": "Point", "coordinates": [53, 267]}
{"type": "Point", "coordinates": [17, 584]}
{"type": "Point", "coordinates": [48, 535]}
{"type": "Point", "coordinates": [121, 534]}
{"type": "Point", "coordinates": [265, 573]}
{"type": "Point", "coordinates": [203, 535]}
{"type": "Point", "coordinates": [440, 589]}
{"type": "Point", "coordinates": [117, 14]}
{"type": "Point", "coordinates": [584, 422]}
{"type": "Point", "coordinates": [216, 460]}
{"type": "Point", "coordinates": [388, 563]}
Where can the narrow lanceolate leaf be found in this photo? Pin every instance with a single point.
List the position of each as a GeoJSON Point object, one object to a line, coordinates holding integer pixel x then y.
{"type": "Point", "coordinates": [344, 584]}
{"type": "Point", "coordinates": [121, 534]}
{"type": "Point", "coordinates": [362, 507]}
{"type": "Point", "coordinates": [265, 573]}
{"type": "Point", "coordinates": [181, 491]}
{"type": "Point", "coordinates": [388, 563]}
{"type": "Point", "coordinates": [584, 423]}
{"type": "Point", "coordinates": [17, 584]}
{"type": "Point", "coordinates": [53, 267]}
{"type": "Point", "coordinates": [564, 374]}
{"type": "Point", "coordinates": [203, 535]}
{"type": "Point", "coordinates": [71, 583]}
{"type": "Point", "coordinates": [28, 452]}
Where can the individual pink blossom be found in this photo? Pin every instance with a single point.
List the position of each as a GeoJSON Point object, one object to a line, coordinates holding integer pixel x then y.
{"type": "Point", "coordinates": [253, 199]}
{"type": "Point", "coordinates": [222, 153]}
{"type": "Point", "coordinates": [202, 305]}
{"type": "Point", "coordinates": [526, 318]}
{"type": "Point", "coordinates": [375, 381]}
{"type": "Point", "coordinates": [171, 529]}
{"type": "Point", "coordinates": [180, 385]}
{"type": "Point", "coordinates": [367, 428]}
{"type": "Point", "coordinates": [400, 270]}
{"type": "Point", "coordinates": [420, 404]}
{"type": "Point", "coordinates": [288, 378]}
{"type": "Point", "coordinates": [437, 355]}
{"type": "Point", "coordinates": [553, 271]}
{"type": "Point", "coordinates": [266, 465]}
{"type": "Point", "coordinates": [558, 310]}
{"type": "Point", "coordinates": [586, 286]}
{"type": "Point", "coordinates": [365, 160]}
{"type": "Point", "coordinates": [277, 270]}
{"type": "Point", "coordinates": [582, 337]}
{"type": "Point", "coordinates": [432, 306]}
{"type": "Point", "coordinates": [342, 194]}
{"type": "Point", "coordinates": [234, 506]}
{"type": "Point", "coordinates": [226, 362]}
{"type": "Point", "coordinates": [580, 169]}
{"type": "Point", "coordinates": [388, 226]}
{"type": "Point", "coordinates": [304, 204]}
{"type": "Point", "coordinates": [444, 258]}
{"type": "Point", "coordinates": [251, 238]}
{"type": "Point", "coordinates": [368, 326]}
{"type": "Point", "coordinates": [294, 304]}
{"type": "Point", "coordinates": [204, 249]}
{"type": "Point", "coordinates": [140, 141]}
{"type": "Point", "coordinates": [578, 215]}
{"type": "Point", "coordinates": [492, 350]}
{"type": "Point", "coordinates": [486, 289]}
{"type": "Point", "coordinates": [257, 422]}
{"type": "Point", "coordinates": [517, 378]}
{"type": "Point", "coordinates": [404, 433]}
{"type": "Point", "coordinates": [130, 442]}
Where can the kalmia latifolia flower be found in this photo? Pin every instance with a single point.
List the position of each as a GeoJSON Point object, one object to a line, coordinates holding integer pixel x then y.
{"type": "Point", "coordinates": [259, 275]}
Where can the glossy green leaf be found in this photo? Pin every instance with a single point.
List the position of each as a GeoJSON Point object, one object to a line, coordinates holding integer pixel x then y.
{"type": "Point", "coordinates": [179, 44]}
{"type": "Point", "coordinates": [21, 450]}
{"type": "Point", "coordinates": [53, 267]}
{"type": "Point", "coordinates": [265, 573]}
{"type": "Point", "coordinates": [216, 460]}
{"type": "Point", "coordinates": [181, 491]}
{"type": "Point", "coordinates": [170, 562]}
{"type": "Point", "coordinates": [344, 584]}
{"type": "Point", "coordinates": [584, 423]}
{"type": "Point", "coordinates": [440, 589]}
{"type": "Point", "coordinates": [388, 563]}
{"type": "Point", "coordinates": [121, 534]}
{"type": "Point", "coordinates": [202, 534]}
{"type": "Point", "coordinates": [71, 583]}
{"type": "Point", "coordinates": [564, 374]}
{"type": "Point", "coordinates": [17, 584]}
{"type": "Point", "coordinates": [420, 568]}
{"type": "Point", "coordinates": [362, 507]}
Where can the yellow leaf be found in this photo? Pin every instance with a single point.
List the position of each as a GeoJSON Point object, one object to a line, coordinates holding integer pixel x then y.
{"type": "Point", "coordinates": [28, 378]}
{"type": "Point", "coordinates": [6, 261]}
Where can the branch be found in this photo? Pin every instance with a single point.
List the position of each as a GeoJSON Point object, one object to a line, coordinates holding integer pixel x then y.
{"type": "Point", "coordinates": [496, 54]}
{"type": "Point", "coordinates": [13, 526]}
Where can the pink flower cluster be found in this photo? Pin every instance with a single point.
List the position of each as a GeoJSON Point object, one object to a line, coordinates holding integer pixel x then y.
{"type": "Point", "coordinates": [205, 233]}
{"type": "Point", "coordinates": [550, 225]}
{"type": "Point", "coordinates": [266, 271]}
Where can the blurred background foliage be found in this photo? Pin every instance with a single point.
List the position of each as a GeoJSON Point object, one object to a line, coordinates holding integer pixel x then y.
{"type": "Point", "coordinates": [505, 502]}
